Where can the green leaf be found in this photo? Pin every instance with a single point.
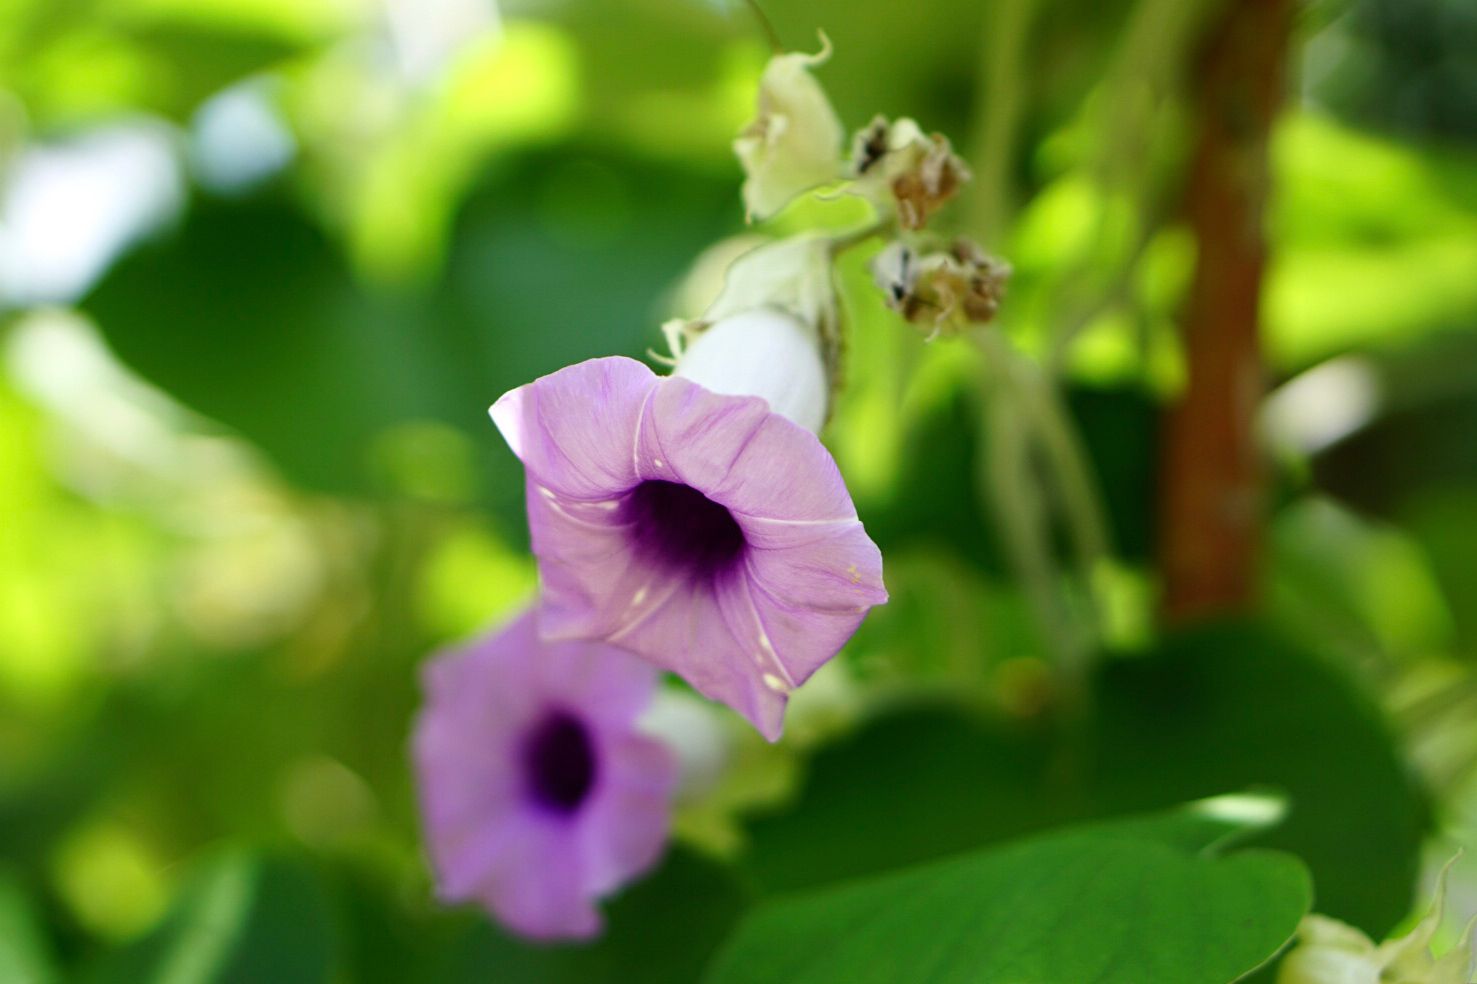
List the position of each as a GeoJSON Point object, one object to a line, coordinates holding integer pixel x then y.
{"type": "Point", "coordinates": [24, 953]}
{"type": "Point", "coordinates": [241, 919]}
{"type": "Point", "coordinates": [251, 316]}
{"type": "Point", "coordinates": [1115, 904]}
{"type": "Point", "coordinates": [199, 60]}
{"type": "Point", "coordinates": [954, 781]}
{"type": "Point", "coordinates": [661, 931]}
{"type": "Point", "coordinates": [1223, 708]}
{"type": "Point", "coordinates": [1239, 705]}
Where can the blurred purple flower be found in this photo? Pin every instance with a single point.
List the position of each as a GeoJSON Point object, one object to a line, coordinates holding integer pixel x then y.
{"type": "Point", "coordinates": [703, 532]}
{"type": "Point", "coordinates": [538, 794]}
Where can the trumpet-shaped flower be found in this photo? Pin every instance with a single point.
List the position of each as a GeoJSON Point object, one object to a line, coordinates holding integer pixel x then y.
{"type": "Point", "coordinates": [702, 531]}
{"type": "Point", "coordinates": [537, 791]}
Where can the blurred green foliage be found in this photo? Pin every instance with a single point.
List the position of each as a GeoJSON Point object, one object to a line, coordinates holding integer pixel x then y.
{"type": "Point", "coordinates": [247, 482]}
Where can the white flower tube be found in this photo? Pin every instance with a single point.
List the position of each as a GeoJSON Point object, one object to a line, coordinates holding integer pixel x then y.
{"type": "Point", "coordinates": [762, 352]}
{"type": "Point", "coordinates": [770, 332]}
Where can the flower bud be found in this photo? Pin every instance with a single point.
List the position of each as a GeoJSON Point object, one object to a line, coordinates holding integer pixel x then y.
{"type": "Point", "coordinates": [763, 352]}
{"type": "Point", "coordinates": [794, 144]}
{"type": "Point", "coordinates": [897, 166]}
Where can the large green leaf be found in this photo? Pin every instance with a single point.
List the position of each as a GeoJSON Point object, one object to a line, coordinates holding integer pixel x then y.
{"type": "Point", "coordinates": [242, 920]}
{"type": "Point", "coordinates": [251, 316]}
{"type": "Point", "coordinates": [1230, 707]}
{"type": "Point", "coordinates": [1239, 705]}
{"type": "Point", "coordinates": [918, 783]}
{"type": "Point", "coordinates": [1117, 904]}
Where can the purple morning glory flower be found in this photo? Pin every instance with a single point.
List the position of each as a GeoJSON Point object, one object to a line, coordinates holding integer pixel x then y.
{"type": "Point", "coordinates": [537, 792]}
{"type": "Point", "coordinates": [701, 531]}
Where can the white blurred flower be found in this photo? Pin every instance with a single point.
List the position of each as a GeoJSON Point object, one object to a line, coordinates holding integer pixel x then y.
{"type": "Point", "coordinates": [794, 144]}
{"type": "Point", "coordinates": [429, 35]}
{"type": "Point", "coordinates": [69, 208]}
{"type": "Point", "coordinates": [1331, 952]}
{"type": "Point", "coordinates": [238, 138]}
{"type": "Point", "coordinates": [695, 730]}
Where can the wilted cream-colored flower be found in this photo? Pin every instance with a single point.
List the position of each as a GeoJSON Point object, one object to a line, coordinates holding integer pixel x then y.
{"type": "Point", "coordinates": [943, 291]}
{"type": "Point", "coordinates": [1331, 952]}
{"type": "Point", "coordinates": [896, 164]}
{"type": "Point", "coordinates": [794, 144]}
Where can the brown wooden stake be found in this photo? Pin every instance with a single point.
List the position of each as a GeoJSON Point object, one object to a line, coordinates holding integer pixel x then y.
{"type": "Point", "coordinates": [1211, 473]}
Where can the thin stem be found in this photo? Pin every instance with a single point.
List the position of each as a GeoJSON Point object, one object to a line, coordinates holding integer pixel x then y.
{"type": "Point", "coordinates": [1081, 498]}
{"type": "Point", "coordinates": [999, 98]}
{"type": "Point", "coordinates": [1015, 425]}
{"type": "Point", "coordinates": [1007, 476]}
{"type": "Point", "coordinates": [1156, 49]}
{"type": "Point", "coordinates": [765, 26]}
{"type": "Point", "coordinates": [1119, 291]}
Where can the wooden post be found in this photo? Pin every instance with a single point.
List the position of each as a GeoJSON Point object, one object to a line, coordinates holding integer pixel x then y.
{"type": "Point", "coordinates": [1211, 475]}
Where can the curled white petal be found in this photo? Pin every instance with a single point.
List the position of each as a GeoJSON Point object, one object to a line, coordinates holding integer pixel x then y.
{"type": "Point", "coordinates": [794, 144]}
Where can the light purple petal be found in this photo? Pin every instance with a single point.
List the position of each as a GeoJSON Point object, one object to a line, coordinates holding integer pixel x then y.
{"type": "Point", "coordinates": [714, 646]}
{"type": "Point", "coordinates": [575, 429]}
{"type": "Point", "coordinates": [540, 888]}
{"type": "Point", "coordinates": [609, 692]}
{"type": "Point", "coordinates": [739, 454]}
{"type": "Point", "coordinates": [692, 436]}
{"type": "Point", "coordinates": [493, 834]}
{"type": "Point", "coordinates": [630, 813]}
{"type": "Point", "coordinates": [812, 596]}
{"type": "Point", "coordinates": [591, 583]}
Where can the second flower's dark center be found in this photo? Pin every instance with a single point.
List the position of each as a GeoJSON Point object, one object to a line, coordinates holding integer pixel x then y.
{"type": "Point", "coordinates": [683, 530]}
{"type": "Point", "coordinates": [559, 762]}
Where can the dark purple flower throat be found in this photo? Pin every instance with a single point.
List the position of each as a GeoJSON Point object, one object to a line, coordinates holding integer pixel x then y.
{"type": "Point", "coordinates": [679, 528]}
{"type": "Point", "coordinates": [559, 762]}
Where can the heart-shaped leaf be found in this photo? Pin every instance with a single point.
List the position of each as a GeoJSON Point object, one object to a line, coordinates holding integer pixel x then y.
{"type": "Point", "coordinates": [1117, 903]}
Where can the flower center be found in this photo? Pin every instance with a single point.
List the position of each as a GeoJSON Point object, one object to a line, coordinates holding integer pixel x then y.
{"type": "Point", "coordinates": [679, 528]}
{"type": "Point", "coordinates": [559, 762]}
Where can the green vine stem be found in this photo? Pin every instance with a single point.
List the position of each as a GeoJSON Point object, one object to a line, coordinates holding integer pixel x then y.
{"type": "Point", "coordinates": [1031, 441]}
